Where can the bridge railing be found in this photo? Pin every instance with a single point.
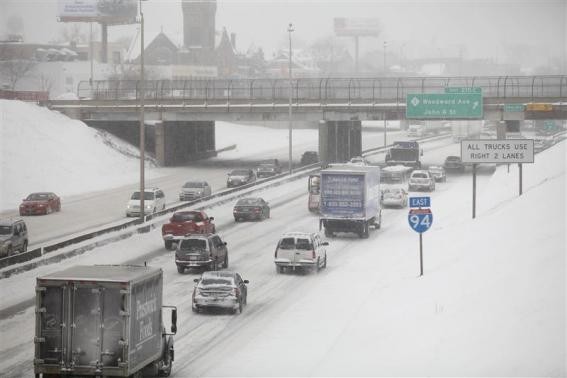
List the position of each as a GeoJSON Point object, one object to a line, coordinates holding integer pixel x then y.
{"type": "Point", "coordinates": [320, 90]}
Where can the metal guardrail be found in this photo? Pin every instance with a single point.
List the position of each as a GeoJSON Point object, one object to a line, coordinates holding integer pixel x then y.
{"type": "Point", "coordinates": [40, 251]}
{"type": "Point", "coordinates": [320, 90]}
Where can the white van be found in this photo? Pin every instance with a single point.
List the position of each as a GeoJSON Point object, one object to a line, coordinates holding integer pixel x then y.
{"type": "Point", "coordinates": [300, 250]}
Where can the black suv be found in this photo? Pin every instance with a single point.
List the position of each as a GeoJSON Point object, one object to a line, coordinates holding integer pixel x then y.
{"type": "Point", "coordinates": [309, 157]}
{"type": "Point", "coordinates": [201, 251]}
{"type": "Point", "coordinates": [13, 236]}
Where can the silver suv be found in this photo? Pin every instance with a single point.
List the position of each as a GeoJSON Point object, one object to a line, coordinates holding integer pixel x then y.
{"type": "Point", "coordinates": [13, 236]}
{"type": "Point", "coordinates": [300, 250]}
{"type": "Point", "coordinates": [421, 180]}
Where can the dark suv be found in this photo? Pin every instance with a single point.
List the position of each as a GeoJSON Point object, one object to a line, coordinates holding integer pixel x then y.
{"type": "Point", "coordinates": [13, 236]}
{"type": "Point", "coordinates": [206, 251]}
{"type": "Point", "coordinates": [454, 163]}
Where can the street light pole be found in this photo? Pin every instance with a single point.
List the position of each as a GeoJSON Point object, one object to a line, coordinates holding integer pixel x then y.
{"type": "Point", "coordinates": [142, 129]}
{"type": "Point", "coordinates": [385, 45]}
{"type": "Point", "coordinates": [290, 29]}
{"type": "Point", "coordinates": [384, 114]}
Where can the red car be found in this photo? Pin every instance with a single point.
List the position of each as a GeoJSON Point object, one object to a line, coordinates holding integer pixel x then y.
{"type": "Point", "coordinates": [186, 222]}
{"type": "Point", "coordinates": [40, 203]}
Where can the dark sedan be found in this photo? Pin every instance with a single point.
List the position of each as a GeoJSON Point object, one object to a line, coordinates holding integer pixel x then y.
{"type": "Point", "coordinates": [239, 177]}
{"type": "Point", "coordinates": [251, 208]}
{"type": "Point", "coordinates": [268, 170]}
{"type": "Point", "coordinates": [40, 203]}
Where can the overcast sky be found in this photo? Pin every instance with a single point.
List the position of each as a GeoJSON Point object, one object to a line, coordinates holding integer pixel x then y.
{"type": "Point", "coordinates": [481, 28]}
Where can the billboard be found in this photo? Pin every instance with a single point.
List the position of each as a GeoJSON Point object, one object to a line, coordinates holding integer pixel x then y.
{"type": "Point", "coordinates": [356, 27]}
{"type": "Point", "coordinates": [103, 11]}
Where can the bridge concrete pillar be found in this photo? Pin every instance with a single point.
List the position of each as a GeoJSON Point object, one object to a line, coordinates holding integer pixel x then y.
{"type": "Point", "coordinates": [178, 142]}
{"type": "Point", "coordinates": [339, 141]}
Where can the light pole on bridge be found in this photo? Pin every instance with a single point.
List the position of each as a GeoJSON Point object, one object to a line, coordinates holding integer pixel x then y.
{"type": "Point", "coordinates": [290, 29]}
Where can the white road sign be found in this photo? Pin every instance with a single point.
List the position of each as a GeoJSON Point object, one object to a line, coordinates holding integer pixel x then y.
{"type": "Point", "coordinates": [497, 151]}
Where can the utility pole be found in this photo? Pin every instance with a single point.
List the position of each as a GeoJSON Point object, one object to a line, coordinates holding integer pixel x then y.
{"type": "Point", "coordinates": [142, 128]}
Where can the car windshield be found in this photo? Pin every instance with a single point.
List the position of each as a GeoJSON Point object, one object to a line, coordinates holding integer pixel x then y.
{"type": "Point", "coordinates": [216, 281]}
{"type": "Point", "coordinates": [194, 185]}
{"type": "Point", "coordinates": [5, 230]}
{"type": "Point", "coordinates": [147, 196]}
{"type": "Point", "coordinates": [239, 172]}
{"type": "Point", "coordinates": [184, 217]}
{"type": "Point", "coordinates": [292, 243]}
{"type": "Point", "coordinates": [38, 197]}
{"type": "Point", "coordinates": [248, 202]}
{"type": "Point", "coordinates": [419, 175]}
{"type": "Point", "coordinates": [193, 244]}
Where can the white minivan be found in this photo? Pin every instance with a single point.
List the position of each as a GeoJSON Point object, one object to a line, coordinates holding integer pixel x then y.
{"type": "Point", "coordinates": [300, 250]}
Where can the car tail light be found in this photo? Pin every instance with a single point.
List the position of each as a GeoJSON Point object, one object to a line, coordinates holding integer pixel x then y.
{"type": "Point", "coordinates": [236, 292]}
{"type": "Point", "coordinates": [313, 254]}
{"type": "Point", "coordinates": [257, 210]}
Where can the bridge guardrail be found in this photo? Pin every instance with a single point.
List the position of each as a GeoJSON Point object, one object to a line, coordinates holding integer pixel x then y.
{"type": "Point", "coordinates": [320, 90]}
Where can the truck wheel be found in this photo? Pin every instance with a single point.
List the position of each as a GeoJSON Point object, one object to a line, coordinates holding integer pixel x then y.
{"type": "Point", "coordinates": [364, 233]}
{"type": "Point", "coordinates": [279, 269]}
{"type": "Point", "coordinates": [165, 371]}
{"type": "Point", "coordinates": [318, 267]}
{"type": "Point", "coordinates": [325, 262]}
{"type": "Point", "coordinates": [180, 269]}
{"type": "Point", "coordinates": [168, 244]}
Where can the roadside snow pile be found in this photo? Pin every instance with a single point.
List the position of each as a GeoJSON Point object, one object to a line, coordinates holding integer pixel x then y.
{"type": "Point", "coordinates": [504, 184]}
{"type": "Point", "coordinates": [42, 150]}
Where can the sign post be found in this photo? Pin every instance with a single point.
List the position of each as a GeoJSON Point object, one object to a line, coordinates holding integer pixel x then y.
{"type": "Point", "coordinates": [499, 151]}
{"type": "Point", "coordinates": [420, 220]}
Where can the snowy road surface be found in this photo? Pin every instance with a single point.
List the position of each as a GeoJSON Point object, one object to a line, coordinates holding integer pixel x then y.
{"type": "Point", "coordinates": [486, 305]}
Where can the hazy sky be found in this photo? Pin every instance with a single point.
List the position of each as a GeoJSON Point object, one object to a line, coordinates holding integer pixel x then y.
{"type": "Point", "coordinates": [480, 28]}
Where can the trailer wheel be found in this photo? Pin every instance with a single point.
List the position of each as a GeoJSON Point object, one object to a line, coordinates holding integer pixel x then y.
{"type": "Point", "coordinates": [180, 269]}
{"type": "Point", "coordinates": [168, 244]}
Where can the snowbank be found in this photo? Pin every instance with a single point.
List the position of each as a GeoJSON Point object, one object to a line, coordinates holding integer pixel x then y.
{"type": "Point", "coordinates": [38, 147]}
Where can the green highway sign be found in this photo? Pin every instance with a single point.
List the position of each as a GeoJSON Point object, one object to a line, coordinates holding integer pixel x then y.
{"type": "Point", "coordinates": [549, 124]}
{"type": "Point", "coordinates": [444, 105]}
{"type": "Point", "coordinates": [463, 90]}
{"type": "Point", "coordinates": [512, 108]}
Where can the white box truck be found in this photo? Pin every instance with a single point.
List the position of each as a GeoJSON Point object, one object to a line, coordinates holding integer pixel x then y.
{"type": "Point", "coordinates": [350, 199]}
{"type": "Point", "coordinates": [102, 320]}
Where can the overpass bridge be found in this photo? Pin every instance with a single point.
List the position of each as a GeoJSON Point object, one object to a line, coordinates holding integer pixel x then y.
{"type": "Point", "coordinates": [184, 111]}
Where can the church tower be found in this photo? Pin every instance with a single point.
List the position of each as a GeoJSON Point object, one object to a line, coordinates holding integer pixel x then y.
{"type": "Point", "coordinates": [199, 23]}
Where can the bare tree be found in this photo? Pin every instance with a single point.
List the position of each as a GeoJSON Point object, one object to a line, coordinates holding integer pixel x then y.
{"type": "Point", "coordinates": [14, 66]}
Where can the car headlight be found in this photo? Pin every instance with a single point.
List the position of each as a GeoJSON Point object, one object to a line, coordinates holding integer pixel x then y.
{"type": "Point", "coordinates": [129, 206]}
{"type": "Point", "coordinates": [149, 206]}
